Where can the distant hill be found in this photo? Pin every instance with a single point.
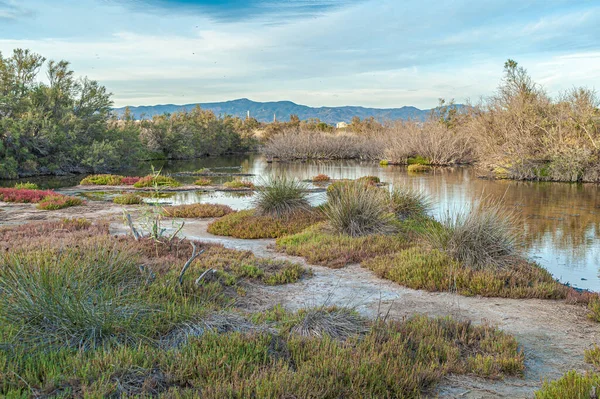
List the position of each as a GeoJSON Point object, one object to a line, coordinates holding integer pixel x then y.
{"type": "Point", "coordinates": [283, 109]}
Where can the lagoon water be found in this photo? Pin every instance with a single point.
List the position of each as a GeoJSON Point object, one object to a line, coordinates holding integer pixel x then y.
{"type": "Point", "coordinates": [560, 222]}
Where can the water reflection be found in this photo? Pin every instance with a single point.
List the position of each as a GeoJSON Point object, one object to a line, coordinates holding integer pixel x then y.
{"type": "Point", "coordinates": [560, 221]}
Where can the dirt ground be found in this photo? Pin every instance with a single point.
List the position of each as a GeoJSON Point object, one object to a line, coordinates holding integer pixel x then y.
{"type": "Point", "coordinates": [553, 334]}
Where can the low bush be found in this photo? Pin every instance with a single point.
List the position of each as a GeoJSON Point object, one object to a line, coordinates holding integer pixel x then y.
{"type": "Point", "coordinates": [319, 247]}
{"type": "Point", "coordinates": [102, 180]}
{"type": "Point", "coordinates": [321, 178]}
{"type": "Point", "coordinates": [238, 184]}
{"type": "Point", "coordinates": [156, 180]}
{"type": "Point", "coordinates": [418, 160]}
{"type": "Point", "coordinates": [203, 182]}
{"type": "Point", "coordinates": [433, 270]}
{"type": "Point", "coordinates": [484, 236]}
{"type": "Point", "coordinates": [418, 168]}
{"type": "Point", "coordinates": [27, 185]}
{"type": "Point", "coordinates": [357, 210]}
{"type": "Point", "coordinates": [23, 195]}
{"type": "Point", "coordinates": [128, 199]}
{"type": "Point", "coordinates": [280, 197]}
{"type": "Point", "coordinates": [247, 224]}
{"type": "Point", "coordinates": [384, 162]}
{"type": "Point", "coordinates": [197, 211]}
{"type": "Point", "coordinates": [54, 202]}
{"type": "Point", "coordinates": [594, 308]}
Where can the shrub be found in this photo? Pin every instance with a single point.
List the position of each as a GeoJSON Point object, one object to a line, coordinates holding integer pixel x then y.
{"type": "Point", "coordinates": [320, 178]}
{"type": "Point", "coordinates": [102, 180]}
{"type": "Point", "coordinates": [485, 236]}
{"type": "Point", "coordinates": [247, 224]}
{"type": "Point", "coordinates": [373, 180]}
{"type": "Point", "coordinates": [54, 202]}
{"type": "Point", "coordinates": [280, 196]}
{"type": "Point", "coordinates": [27, 185]}
{"type": "Point", "coordinates": [418, 168]}
{"type": "Point", "coordinates": [433, 270]}
{"type": "Point", "coordinates": [197, 211]}
{"type": "Point", "coordinates": [238, 184]}
{"type": "Point", "coordinates": [384, 162]}
{"type": "Point", "coordinates": [24, 195]}
{"type": "Point", "coordinates": [128, 199]}
{"type": "Point", "coordinates": [156, 180]}
{"type": "Point", "coordinates": [203, 182]}
{"type": "Point", "coordinates": [418, 160]}
{"type": "Point", "coordinates": [357, 210]}
{"type": "Point", "coordinates": [594, 308]}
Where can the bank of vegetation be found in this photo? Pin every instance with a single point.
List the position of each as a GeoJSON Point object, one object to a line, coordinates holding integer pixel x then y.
{"type": "Point", "coordinates": [518, 133]}
{"type": "Point", "coordinates": [65, 125]}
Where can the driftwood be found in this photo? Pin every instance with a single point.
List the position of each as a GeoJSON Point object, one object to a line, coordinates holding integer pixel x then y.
{"type": "Point", "coordinates": [195, 254]}
{"type": "Point", "coordinates": [204, 275]}
{"type": "Point", "coordinates": [136, 235]}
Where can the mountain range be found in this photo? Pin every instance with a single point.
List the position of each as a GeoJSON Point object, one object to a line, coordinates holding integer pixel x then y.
{"type": "Point", "coordinates": [266, 111]}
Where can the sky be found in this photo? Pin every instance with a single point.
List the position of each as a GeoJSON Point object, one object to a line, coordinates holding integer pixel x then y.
{"type": "Point", "coordinates": [376, 53]}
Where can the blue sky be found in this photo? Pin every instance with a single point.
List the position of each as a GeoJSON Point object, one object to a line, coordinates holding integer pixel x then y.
{"type": "Point", "coordinates": [384, 53]}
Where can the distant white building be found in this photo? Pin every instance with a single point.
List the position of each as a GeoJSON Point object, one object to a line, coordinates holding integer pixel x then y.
{"type": "Point", "coordinates": [341, 125]}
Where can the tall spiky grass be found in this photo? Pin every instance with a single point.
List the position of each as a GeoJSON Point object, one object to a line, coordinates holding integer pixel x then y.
{"type": "Point", "coordinates": [71, 298]}
{"type": "Point", "coordinates": [485, 236]}
{"type": "Point", "coordinates": [357, 209]}
{"type": "Point", "coordinates": [281, 196]}
{"type": "Point", "coordinates": [406, 202]}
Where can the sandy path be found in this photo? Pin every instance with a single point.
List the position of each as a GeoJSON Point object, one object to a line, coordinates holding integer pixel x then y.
{"type": "Point", "coordinates": [553, 334]}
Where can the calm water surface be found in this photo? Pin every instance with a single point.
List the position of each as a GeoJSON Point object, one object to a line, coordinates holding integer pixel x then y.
{"type": "Point", "coordinates": [560, 221]}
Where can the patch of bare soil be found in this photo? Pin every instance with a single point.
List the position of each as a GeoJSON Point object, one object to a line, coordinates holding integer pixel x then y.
{"type": "Point", "coordinates": [14, 214]}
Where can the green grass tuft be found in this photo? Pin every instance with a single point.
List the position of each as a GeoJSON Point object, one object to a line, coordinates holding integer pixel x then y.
{"type": "Point", "coordinates": [280, 197]}
{"type": "Point", "coordinates": [156, 180]}
{"type": "Point", "coordinates": [197, 211]}
{"type": "Point", "coordinates": [128, 199]}
{"type": "Point", "coordinates": [54, 202]}
{"type": "Point", "coordinates": [27, 186]}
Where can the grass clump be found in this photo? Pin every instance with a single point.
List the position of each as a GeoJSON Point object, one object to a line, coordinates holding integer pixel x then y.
{"type": "Point", "coordinates": [407, 203]}
{"type": "Point", "coordinates": [203, 182]}
{"type": "Point", "coordinates": [156, 180]}
{"type": "Point", "coordinates": [485, 236]}
{"type": "Point", "coordinates": [27, 185]}
{"type": "Point", "coordinates": [238, 183]}
{"type": "Point", "coordinates": [320, 247]}
{"type": "Point", "coordinates": [280, 197]}
{"type": "Point", "coordinates": [249, 224]}
{"type": "Point", "coordinates": [434, 270]}
{"type": "Point", "coordinates": [321, 178]}
{"type": "Point", "coordinates": [418, 160]}
{"type": "Point", "coordinates": [372, 180]}
{"type": "Point", "coordinates": [128, 199]}
{"type": "Point", "coordinates": [337, 323]}
{"type": "Point", "coordinates": [418, 168]}
{"type": "Point", "coordinates": [197, 211]}
{"type": "Point", "coordinates": [356, 209]}
{"type": "Point", "coordinates": [54, 202]}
